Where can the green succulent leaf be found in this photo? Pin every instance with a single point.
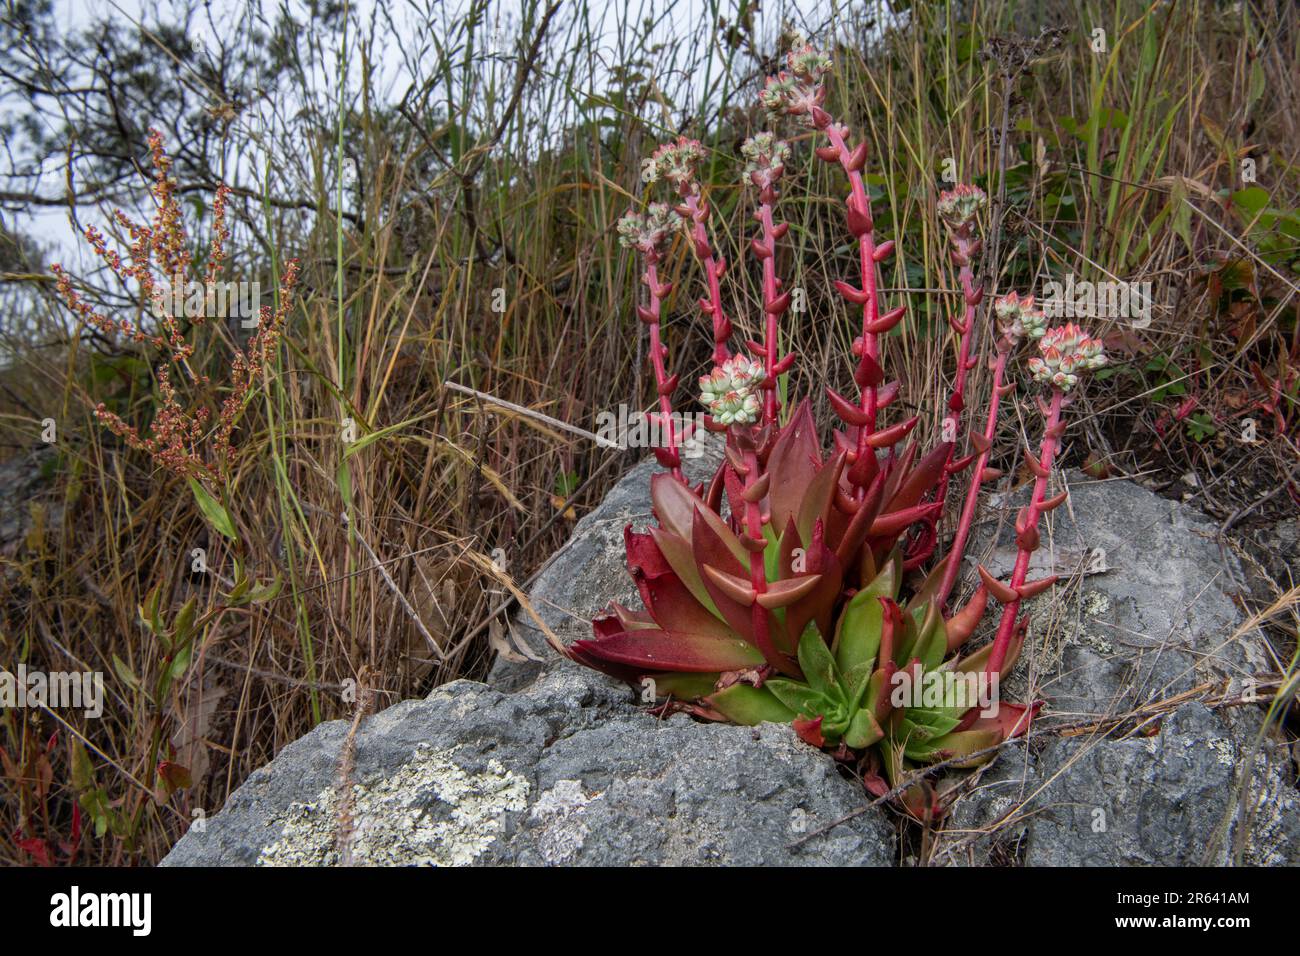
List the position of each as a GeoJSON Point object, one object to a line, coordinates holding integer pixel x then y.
{"type": "Point", "coordinates": [799, 697]}
{"type": "Point", "coordinates": [681, 686]}
{"type": "Point", "coordinates": [859, 638]}
{"type": "Point", "coordinates": [747, 705]}
{"type": "Point", "coordinates": [816, 661]}
{"type": "Point", "coordinates": [863, 730]}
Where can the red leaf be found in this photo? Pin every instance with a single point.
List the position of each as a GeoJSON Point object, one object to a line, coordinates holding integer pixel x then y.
{"type": "Point", "coordinates": [673, 651]}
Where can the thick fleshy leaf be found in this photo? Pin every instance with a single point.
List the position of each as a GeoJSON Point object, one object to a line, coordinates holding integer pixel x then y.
{"type": "Point", "coordinates": [819, 604]}
{"type": "Point", "coordinates": [810, 731]}
{"type": "Point", "coordinates": [922, 478]}
{"type": "Point", "coordinates": [858, 640]}
{"type": "Point", "coordinates": [863, 730]}
{"type": "Point", "coordinates": [676, 505]}
{"type": "Point", "coordinates": [798, 696]}
{"type": "Point", "coordinates": [680, 686]}
{"type": "Point", "coordinates": [819, 494]}
{"type": "Point", "coordinates": [678, 553]}
{"type": "Point", "coordinates": [747, 705]}
{"type": "Point", "coordinates": [709, 550]}
{"type": "Point", "coordinates": [817, 662]}
{"type": "Point", "coordinates": [891, 523]}
{"type": "Point", "coordinates": [1011, 720]}
{"type": "Point", "coordinates": [658, 650]}
{"type": "Point", "coordinates": [781, 594]}
{"type": "Point", "coordinates": [932, 640]}
{"type": "Point", "coordinates": [860, 525]}
{"type": "Point", "coordinates": [930, 585]}
{"type": "Point", "coordinates": [962, 624]}
{"type": "Point", "coordinates": [956, 744]}
{"type": "Point", "coordinates": [670, 602]}
{"type": "Point", "coordinates": [795, 459]}
{"type": "Point", "coordinates": [736, 588]}
{"type": "Point", "coordinates": [627, 673]}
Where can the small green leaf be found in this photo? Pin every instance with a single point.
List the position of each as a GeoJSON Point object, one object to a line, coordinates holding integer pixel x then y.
{"type": "Point", "coordinates": [83, 773]}
{"type": "Point", "coordinates": [184, 622]}
{"type": "Point", "coordinates": [216, 515]}
{"type": "Point", "coordinates": [181, 662]}
{"type": "Point", "coordinates": [124, 673]}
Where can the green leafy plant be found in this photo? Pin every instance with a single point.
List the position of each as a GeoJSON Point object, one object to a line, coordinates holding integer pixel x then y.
{"type": "Point", "coordinates": [780, 590]}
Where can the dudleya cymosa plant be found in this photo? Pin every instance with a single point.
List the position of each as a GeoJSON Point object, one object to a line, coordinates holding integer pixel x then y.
{"type": "Point", "coordinates": [784, 589]}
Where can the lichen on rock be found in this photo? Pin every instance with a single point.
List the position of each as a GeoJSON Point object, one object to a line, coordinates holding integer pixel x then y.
{"type": "Point", "coordinates": [430, 812]}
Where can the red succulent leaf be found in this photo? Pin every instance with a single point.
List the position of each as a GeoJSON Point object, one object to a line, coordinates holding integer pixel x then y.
{"type": "Point", "coordinates": [674, 607]}
{"type": "Point", "coordinates": [653, 649]}
{"type": "Point", "coordinates": [708, 550]}
{"type": "Point", "coordinates": [794, 461]}
{"type": "Point", "coordinates": [680, 556]}
{"type": "Point", "coordinates": [922, 478]}
{"type": "Point", "coordinates": [962, 624]}
{"type": "Point", "coordinates": [818, 495]}
{"type": "Point", "coordinates": [1012, 720]}
{"type": "Point", "coordinates": [810, 730]}
{"type": "Point", "coordinates": [891, 629]}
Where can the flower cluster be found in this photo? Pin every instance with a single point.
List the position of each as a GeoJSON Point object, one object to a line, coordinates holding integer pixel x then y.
{"type": "Point", "coordinates": [799, 89]}
{"type": "Point", "coordinates": [647, 233]}
{"type": "Point", "coordinates": [959, 206]}
{"type": "Point", "coordinates": [1066, 351]}
{"type": "Point", "coordinates": [730, 391]}
{"type": "Point", "coordinates": [675, 162]}
{"type": "Point", "coordinates": [1018, 318]}
{"type": "Point", "coordinates": [765, 158]}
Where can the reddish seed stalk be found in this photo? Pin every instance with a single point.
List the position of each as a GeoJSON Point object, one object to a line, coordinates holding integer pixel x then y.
{"type": "Point", "coordinates": [657, 353]}
{"type": "Point", "coordinates": [713, 269]}
{"type": "Point", "coordinates": [1047, 452]}
{"type": "Point", "coordinates": [958, 548]}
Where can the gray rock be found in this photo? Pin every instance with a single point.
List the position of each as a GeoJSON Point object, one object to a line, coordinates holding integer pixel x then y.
{"type": "Point", "coordinates": [1144, 614]}
{"type": "Point", "coordinates": [568, 773]}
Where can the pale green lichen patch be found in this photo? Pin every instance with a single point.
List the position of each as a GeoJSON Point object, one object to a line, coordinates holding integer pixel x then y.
{"type": "Point", "coordinates": [430, 812]}
{"type": "Point", "coordinates": [560, 813]}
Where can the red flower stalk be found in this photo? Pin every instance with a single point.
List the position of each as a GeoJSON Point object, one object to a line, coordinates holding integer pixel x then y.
{"type": "Point", "coordinates": [959, 209]}
{"type": "Point", "coordinates": [677, 162]}
{"type": "Point", "coordinates": [767, 157]}
{"type": "Point", "coordinates": [1016, 318]}
{"type": "Point", "coordinates": [649, 234]}
{"type": "Point", "coordinates": [1066, 352]}
{"type": "Point", "coordinates": [801, 92]}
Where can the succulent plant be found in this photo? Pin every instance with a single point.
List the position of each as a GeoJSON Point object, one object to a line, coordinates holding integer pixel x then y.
{"type": "Point", "coordinates": [785, 588]}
